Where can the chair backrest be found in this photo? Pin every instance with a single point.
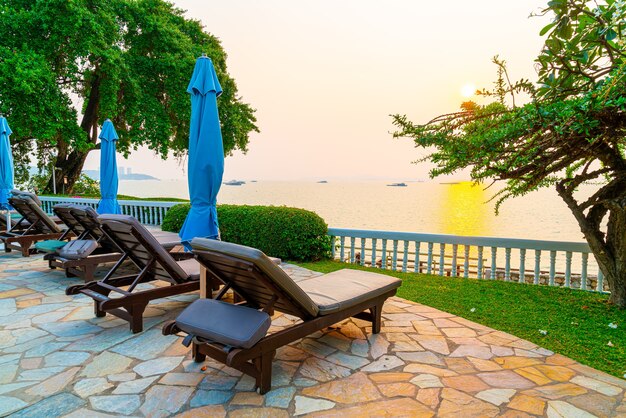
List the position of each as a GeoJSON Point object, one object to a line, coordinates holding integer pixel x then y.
{"type": "Point", "coordinates": [32, 212]}
{"type": "Point", "coordinates": [142, 248]}
{"type": "Point", "coordinates": [254, 276]}
{"type": "Point", "coordinates": [87, 217]}
{"type": "Point", "coordinates": [16, 192]}
{"type": "Point", "coordinates": [63, 211]}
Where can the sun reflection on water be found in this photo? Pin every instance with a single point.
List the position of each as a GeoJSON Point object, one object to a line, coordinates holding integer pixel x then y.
{"type": "Point", "coordinates": [464, 211]}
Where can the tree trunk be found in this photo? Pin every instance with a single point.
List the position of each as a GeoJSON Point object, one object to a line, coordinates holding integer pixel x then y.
{"type": "Point", "coordinates": [608, 249]}
{"type": "Point", "coordinates": [68, 169]}
{"type": "Point", "coordinates": [616, 245]}
{"type": "Point", "coordinates": [68, 164]}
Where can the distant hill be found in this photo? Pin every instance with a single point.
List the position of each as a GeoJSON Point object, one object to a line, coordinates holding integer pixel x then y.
{"type": "Point", "coordinates": [95, 174]}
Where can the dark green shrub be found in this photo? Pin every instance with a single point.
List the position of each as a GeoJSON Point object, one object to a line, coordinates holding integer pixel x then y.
{"type": "Point", "coordinates": [278, 231]}
{"type": "Point", "coordinates": [175, 217]}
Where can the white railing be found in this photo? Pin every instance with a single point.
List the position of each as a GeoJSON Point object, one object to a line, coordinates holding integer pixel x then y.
{"type": "Point", "coordinates": [554, 263]}
{"type": "Point", "coordinates": [567, 263]}
{"type": "Point", "coordinates": [147, 212]}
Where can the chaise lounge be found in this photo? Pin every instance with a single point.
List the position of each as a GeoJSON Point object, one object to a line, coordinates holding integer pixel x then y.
{"type": "Point", "coordinates": [34, 226]}
{"type": "Point", "coordinates": [154, 262]}
{"type": "Point", "coordinates": [236, 335]}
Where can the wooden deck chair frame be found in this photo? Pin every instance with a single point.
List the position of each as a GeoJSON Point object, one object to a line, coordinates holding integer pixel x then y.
{"type": "Point", "coordinates": [22, 237]}
{"type": "Point", "coordinates": [257, 360]}
{"type": "Point", "coordinates": [83, 268]}
{"type": "Point", "coordinates": [131, 302]}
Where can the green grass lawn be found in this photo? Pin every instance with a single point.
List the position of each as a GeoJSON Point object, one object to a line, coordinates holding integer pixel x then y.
{"type": "Point", "coordinates": [577, 322]}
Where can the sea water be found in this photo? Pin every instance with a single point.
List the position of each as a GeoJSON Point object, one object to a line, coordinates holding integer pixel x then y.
{"type": "Point", "coordinates": [428, 207]}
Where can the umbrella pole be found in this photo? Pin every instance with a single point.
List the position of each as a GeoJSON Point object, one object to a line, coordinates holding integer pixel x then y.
{"type": "Point", "coordinates": [8, 220]}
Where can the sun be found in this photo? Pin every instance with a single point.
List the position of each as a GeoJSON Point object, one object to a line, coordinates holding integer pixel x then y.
{"type": "Point", "coordinates": [468, 90]}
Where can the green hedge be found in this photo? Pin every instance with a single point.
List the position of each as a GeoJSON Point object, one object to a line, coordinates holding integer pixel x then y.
{"type": "Point", "coordinates": [278, 231]}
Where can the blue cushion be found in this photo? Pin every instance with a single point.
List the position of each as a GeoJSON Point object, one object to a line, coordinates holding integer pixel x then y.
{"type": "Point", "coordinates": [50, 246]}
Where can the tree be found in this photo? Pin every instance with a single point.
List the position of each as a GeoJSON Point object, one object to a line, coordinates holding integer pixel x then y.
{"type": "Point", "coordinates": [572, 131]}
{"type": "Point", "coordinates": [127, 60]}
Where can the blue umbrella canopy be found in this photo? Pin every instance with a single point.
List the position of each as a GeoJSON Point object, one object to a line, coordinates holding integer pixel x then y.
{"type": "Point", "coordinates": [6, 164]}
{"type": "Point", "coordinates": [206, 153]}
{"type": "Point", "coordinates": [108, 170]}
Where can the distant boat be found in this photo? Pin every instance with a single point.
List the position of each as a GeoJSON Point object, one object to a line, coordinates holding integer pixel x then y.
{"type": "Point", "coordinates": [252, 181]}
{"type": "Point", "coordinates": [234, 183]}
{"type": "Point", "coordinates": [397, 185]}
{"type": "Point", "coordinates": [322, 182]}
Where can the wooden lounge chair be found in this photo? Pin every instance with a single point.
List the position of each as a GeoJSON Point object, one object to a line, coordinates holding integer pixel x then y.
{"type": "Point", "coordinates": [154, 262]}
{"type": "Point", "coordinates": [84, 219]}
{"type": "Point", "coordinates": [320, 302]}
{"type": "Point", "coordinates": [34, 226]}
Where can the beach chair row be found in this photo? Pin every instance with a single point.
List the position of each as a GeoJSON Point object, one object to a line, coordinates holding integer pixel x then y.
{"type": "Point", "coordinates": [234, 334]}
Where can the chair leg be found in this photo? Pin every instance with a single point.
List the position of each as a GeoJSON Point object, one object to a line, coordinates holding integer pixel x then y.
{"type": "Point", "coordinates": [198, 357]}
{"type": "Point", "coordinates": [264, 366]}
{"type": "Point", "coordinates": [88, 273]}
{"type": "Point", "coordinates": [376, 312]}
{"type": "Point", "coordinates": [136, 314]}
{"type": "Point", "coordinates": [99, 313]}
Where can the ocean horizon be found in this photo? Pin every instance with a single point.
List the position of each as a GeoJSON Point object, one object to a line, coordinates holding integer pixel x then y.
{"type": "Point", "coordinates": [458, 208]}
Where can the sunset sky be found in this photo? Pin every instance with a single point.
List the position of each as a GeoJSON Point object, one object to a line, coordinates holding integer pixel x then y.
{"type": "Point", "coordinates": [324, 76]}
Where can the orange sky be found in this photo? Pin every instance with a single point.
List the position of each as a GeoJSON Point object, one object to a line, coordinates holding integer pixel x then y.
{"type": "Point", "coordinates": [324, 76]}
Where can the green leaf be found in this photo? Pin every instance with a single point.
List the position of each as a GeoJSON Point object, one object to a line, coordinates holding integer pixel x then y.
{"type": "Point", "coordinates": [610, 34]}
{"type": "Point", "coordinates": [546, 28]}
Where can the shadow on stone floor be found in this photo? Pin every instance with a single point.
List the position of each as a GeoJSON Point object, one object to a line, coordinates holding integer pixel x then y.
{"type": "Point", "coordinates": [57, 359]}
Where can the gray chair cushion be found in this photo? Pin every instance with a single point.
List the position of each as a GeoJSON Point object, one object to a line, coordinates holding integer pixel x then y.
{"type": "Point", "coordinates": [77, 249]}
{"type": "Point", "coordinates": [34, 212]}
{"type": "Point", "coordinates": [275, 273]}
{"type": "Point", "coordinates": [191, 267]}
{"type": "Point", "coordinates": [32, 195]}
{"type": "Point", "coordinates": [224, 323]}
{"type": "Point", "coordinates": [342, 289]}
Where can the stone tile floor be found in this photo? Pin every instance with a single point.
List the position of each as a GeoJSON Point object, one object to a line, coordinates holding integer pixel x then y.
{"type": "Point", "coordinates": [56, 359]}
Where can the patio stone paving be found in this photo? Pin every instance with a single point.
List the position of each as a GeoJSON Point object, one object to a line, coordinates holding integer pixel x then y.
{"type": "Point", "coordinates": [56, 359]}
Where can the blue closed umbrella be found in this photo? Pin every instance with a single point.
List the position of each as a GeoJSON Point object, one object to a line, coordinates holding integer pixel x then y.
{"type": "Point", "coordinates": [206, 153]}
{"type": "Point", "coordinates": [6, 164]}
{"type": "Point", "coordinates": [108, 170]}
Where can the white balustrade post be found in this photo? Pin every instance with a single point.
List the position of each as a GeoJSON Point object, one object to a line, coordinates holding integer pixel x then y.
{"type": "Point", "coordinates": [362, 259]}
{"type": "Point", "coordinates": [455, 251]}
{"type": "Point", "coordinates": [405, 256]}
{"type": "Point", "coordinates": [383, 263]}
{"type": "Point", "coordinates": [480, 262]}
{"type": "Point", "coordinates": [394, 256]}
{"type": "Point", "coordinates": [522, 266]}
{"type": "Point", "coordinates": [429, 268]}
{"type": "Point", "coordinates": [416, 265]}
{"type": "Point", "coordinates": [507, 264]}
{"type": "Point", "coordinates": [583, 274]}
{"type": "Point", "coordinates": [352, 242]}
{"type": "Point", "coordinates": [537, 266]}
{"type": "Point", "coordinates": [466, 261]}
{"type": "Point", "coordinates": [442, 255]}
{"type": "Point", "coordinates": [493, 262]}
{"type": "Point", "coordinates": [374, 252]}
{"type": "Point", "coordinates": [342, 249]}
{"type": "Point", "coordinates": [568, 269]}
{"type": "Point", "coordinates": [552, 267]}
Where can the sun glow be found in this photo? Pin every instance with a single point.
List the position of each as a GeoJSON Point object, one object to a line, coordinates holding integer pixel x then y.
{"type": "Point", "coordinates": [468, 90]}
